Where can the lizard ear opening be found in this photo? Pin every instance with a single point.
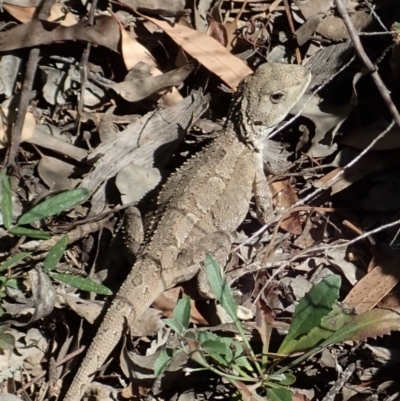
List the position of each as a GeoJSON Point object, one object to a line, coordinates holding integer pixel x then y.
{"type": "Point", "coordinates": [277, 97]}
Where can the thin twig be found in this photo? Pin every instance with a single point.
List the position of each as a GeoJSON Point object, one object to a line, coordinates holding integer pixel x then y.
{"type": "Point", "coordinates": [367, 62]}
{"type": "Point", "coordinates": [290, 20]}
{"type": "Point", "coordinates": [84, 68]}
{"type": "Point", "coordinates": [59, 363]}
{"type": "Point", "coordinates": [343, 379]}
{"type": "Point", "coordinates": [26, 92]}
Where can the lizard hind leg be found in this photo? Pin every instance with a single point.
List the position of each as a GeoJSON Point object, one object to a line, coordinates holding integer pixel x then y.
{"type": "Point", "coordinates": [216, 244]}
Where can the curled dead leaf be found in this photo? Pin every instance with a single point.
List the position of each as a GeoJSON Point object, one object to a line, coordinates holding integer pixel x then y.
{"type": "Point", "coordinates": [207, 51]}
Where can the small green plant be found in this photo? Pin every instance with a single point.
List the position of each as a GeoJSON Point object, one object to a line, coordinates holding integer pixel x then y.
{"type": "Point", "coordinates": [50, 207]}
{"type": "Point", "coordinates": [318, 321]}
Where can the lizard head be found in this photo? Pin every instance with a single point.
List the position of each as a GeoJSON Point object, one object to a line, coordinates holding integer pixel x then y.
{"type": "Point", "coordinates": [266, 97]}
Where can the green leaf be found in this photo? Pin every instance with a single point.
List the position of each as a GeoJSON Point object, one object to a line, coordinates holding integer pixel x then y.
{"type": "Point", "coordinates": [6, 202]}
{"type": "Point", "coordinates": [237, 349]}
{"type": "Point", "coordinates": [55, 254]}
{"type": "Point", "coordinates": [279, 394]}
{"type": "Point", "coordinates": [7, 340]}
{"type": "Point", "coordinates": [182, 312]}
{"type": "Point", "coordinates": [284, 379]}
{"type": "Point", "coordinates": [14, 260]}
{"type": "Point", "coordinates": [220, 347]}
{"type": "Point", "coordinates": [329, 325]}
{"type": "Point", "coordinates": [162, 361]}
{"type": "Point", "coordinates": [217, 347]}
{"type": "Point", "coordinates": [316, 304]}
{"type": "Point", "coordinates": [13, 283]}
{"type": "Point", "coordinates": [220, 287]}
{"type": "Point", "coordinates": [190, 335]}
{"type": "Point", "coordinates": [205, 335]}
{"type": "Point", "coordinates": [82, 283]}
{"type": "Point", "coordinates": [337, 318]}
{"type": "Point", "coordinates": [175, 325]}
{"type": "Point", "coordinates": [29, 232]}
{"type": "Point", "coordinates": [54, 205]}
{"type": "Point", "coordinates": [244, 362]}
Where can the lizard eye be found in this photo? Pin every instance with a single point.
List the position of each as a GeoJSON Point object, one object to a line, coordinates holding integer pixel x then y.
{"type": "Point", "coordinates": [277, 97]}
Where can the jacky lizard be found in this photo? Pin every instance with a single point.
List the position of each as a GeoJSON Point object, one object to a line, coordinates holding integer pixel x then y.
{"type": "Point", "coordinates": [199, 206]}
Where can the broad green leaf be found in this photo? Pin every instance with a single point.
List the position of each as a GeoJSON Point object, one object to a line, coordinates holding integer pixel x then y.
{"type": "Point", "coordinates": [244, 363]}
{"type": "Point", "coordinates": [182, 312]}
{"type": "Point", "coordinates": [336, 319]}
{"type": "Point", "coordinates": [329, 325]}
{"type": "Point", "coordinates": [29, 232]}
{"type": "Point", "coordinates": [13, 283]}
{"type": "Point", "coordinates": [6, 202]}
{"type": "Point", "coordinates": [54, 205]}
{"type": "Point", "coordinates": [218, 347]}
{"type": "Point", "coordinates": [220, 287]}
{"type": "Point", "coordinates": [284, 379]}
{"type": "Point", "coordinates": [55, 254]}
{"type": "Point", "coordinates": [190, 335]}
{"type": "Point", "coordinates": [279, 394]}
{"type": "Point", "coordinates": [7, 340]}
{"type": "Point", "coordinates": [205, 335]}
{"type": "Point", "coordinates": [373, 323]}
{"type": "Point", "coordinates": [316, 304]}
{"type": "Point", "coordinates": [162, 361]}
{"type": "Point", "coordinates": [175, 325]}
{"type": "Point", "coordinates": [82, 283]}
{"type": "Point", "coordinates": [220, 359]}
{"type": "Point", "coordinates": [237, 349]}
{"type": "Point", "coordinates": [14, 260]}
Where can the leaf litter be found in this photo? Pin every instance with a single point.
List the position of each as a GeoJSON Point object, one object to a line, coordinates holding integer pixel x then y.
{"type": "Point", "coordinates": [119, 98]}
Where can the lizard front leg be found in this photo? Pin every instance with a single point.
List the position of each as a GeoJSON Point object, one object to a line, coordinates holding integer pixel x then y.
{"type": "Point", "coordinates": [262, 193]}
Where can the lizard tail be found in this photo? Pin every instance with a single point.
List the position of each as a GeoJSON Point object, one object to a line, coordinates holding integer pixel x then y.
{"type": "Point", "coordinates": [107, 338]}
{"type": "Point", "coordinates": [128, 305]}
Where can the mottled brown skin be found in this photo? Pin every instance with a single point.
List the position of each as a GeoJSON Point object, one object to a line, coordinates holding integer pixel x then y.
{"type": "Point", "coordinates": [200, 206]}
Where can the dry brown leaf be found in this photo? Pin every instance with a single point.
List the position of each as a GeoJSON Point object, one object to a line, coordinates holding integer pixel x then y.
{"type": "Point", "coordinates": [361, 137]}
{"type": "Point", "coordinates": [105, 32]}
{"type": "Point", "coordinates": [333, 28]}
{"type": "Point", "coordinates": [161, 7]}
{"type": "Point", "coordinates": [370, 163]}
{"type": "Point", "coordinates": [22, 14]}
{"type": "Point", "coordinates": [374, 286]}
{"type": "Point", "coordinates": [26, 14]}
{"type": "Point", "coordinates": [27, 130]}
{"type": "Point", "coordinates": [207, 51]}
{"type": "Point", "coordinates": [140, 88]}
{"type": "Point", "coordinates": [311, 8]}
{"type": "Point", "coordinates": [218, 32]}
{"type": "Point", "coordinates": [285, 197]}
{"type": "Point", "coordinates": [58, 14]}
{"type": "Point", "coordinates": [133, 53]}
{"type": "Point", "coordinates": [56, 174]}
{"type": "Point", "coordinates": [166, 303]}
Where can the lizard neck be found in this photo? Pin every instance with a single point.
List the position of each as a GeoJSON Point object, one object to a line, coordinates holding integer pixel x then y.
{"type": "Point", "coordinates": [240, 123]}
